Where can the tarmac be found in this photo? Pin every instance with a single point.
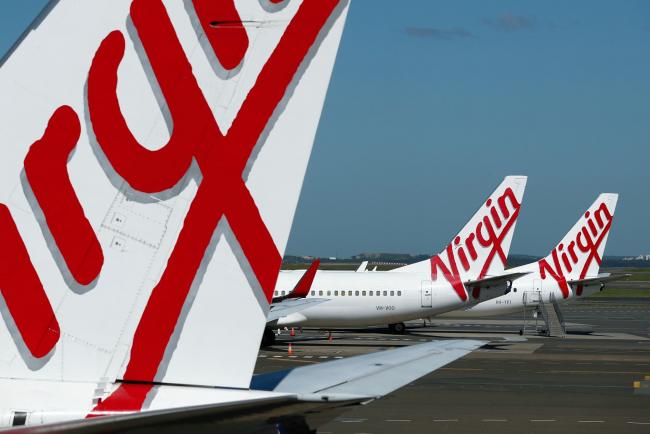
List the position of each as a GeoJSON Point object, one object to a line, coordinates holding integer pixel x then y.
{"type": "Point", "coordinates": [596, 379]}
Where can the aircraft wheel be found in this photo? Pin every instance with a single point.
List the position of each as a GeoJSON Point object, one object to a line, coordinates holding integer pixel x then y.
{"type": "Point", "coordinates": [268, 338]}
{"type": "Point", "coordinates": [399, 327]}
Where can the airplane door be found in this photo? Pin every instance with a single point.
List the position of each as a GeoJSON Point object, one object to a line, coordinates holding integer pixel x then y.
{"type": "Point", "coordinates": [427, 293]}
{"type": "Point", "coordinates": [533, 297]}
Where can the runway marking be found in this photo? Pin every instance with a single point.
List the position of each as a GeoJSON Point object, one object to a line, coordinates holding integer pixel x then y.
{"type": "Point", "coordinates": [352, 420]}
{"type": "Point", "coordinates": [494, 420]}
{"type": "Point", "coordinates": [543, 420]}
{"type": "Point", "coordinates": [591, 421]}
{"type": "Point", "coordinates": [462, 369]}
{"type": "Point", "coordinates": [638, 423]}
{"type": "Point", "coordinates": [445, 420]}
{"type": "Point", "coordinates": [397, 420]}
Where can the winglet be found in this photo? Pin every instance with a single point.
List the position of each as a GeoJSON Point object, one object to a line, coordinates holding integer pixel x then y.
{"type": "Point", "coordinates": [304, 284]}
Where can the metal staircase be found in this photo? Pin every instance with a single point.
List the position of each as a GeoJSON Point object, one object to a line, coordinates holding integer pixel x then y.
{"type": "Point", "coordinates": [553, 317]}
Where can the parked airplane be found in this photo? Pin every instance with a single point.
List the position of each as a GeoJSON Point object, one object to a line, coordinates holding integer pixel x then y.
{"type": "Point", "coordinates": [471, 261]}
{"type": "Point", "coordinates": [143, 214]}
{"type": "Point", "coordinates": [570, 271]}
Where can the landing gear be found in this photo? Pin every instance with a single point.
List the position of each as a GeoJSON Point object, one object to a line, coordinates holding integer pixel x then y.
{"type": "Point", "coordinates": [399, 327]}
{"type": "Point", "coordinates": [268, 338]}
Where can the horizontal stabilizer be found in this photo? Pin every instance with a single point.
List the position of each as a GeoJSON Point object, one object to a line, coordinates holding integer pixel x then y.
{"type": "Point", "coordinates": [290, 306]}
{"type": "Point", "coordinates": [499, 281]}
{"type": "Point", "coordinates": [600, 279]}
{"type": "Point", "coordinates": [269, 414]}
{"type": "Point", "coordinates": [371, 375]}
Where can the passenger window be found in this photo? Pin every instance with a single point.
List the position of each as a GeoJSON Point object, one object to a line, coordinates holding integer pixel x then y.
{"type": "Point", "coordinates": [329, 293]}
{"type": "Point", "coordinates": [356, 293]}
{"type": "Point", "coordinates": [320, 292]}
{"type": "Point", "coordinates": [349, 293]}
{"type": "Point", "coordinates": [399, 293]}
{"type": "Point", "coordinates": [343, 293]}
{"type": "Point", "coordinates": [371, 294]}
{"type": "Point", "coordinates": [363, 293]}
{"type": "Point", "coordinates": [385, 293]}
{"type": "Point", "coordinates": [515, 289]}
{"type": "Point", "coordinates": [378, 293]}
{"type": "Point", "coordinates": [392, 293]}
{"type": "Point", "coordinates": [313, 293]}
{"type": "Point", "coordinates": [336, 293]}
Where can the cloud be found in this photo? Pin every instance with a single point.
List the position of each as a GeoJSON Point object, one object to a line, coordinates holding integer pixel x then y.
{"type": "Point", "coordinates": [438, 33]}
{"type": "Point", "coordinates": [510, 23]}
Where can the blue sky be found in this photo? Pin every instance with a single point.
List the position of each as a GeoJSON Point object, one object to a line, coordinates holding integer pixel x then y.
{"type": "Point", "coordinates": [432, 103]}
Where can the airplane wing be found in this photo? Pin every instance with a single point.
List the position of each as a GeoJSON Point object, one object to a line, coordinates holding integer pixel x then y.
{"type": "Point", "coordinates": [283, 413]}
{"type": "Point", "coordinates": [492, 287]}
{"type": "Point", "coordinates": [362, 267]}
{"type": "Point", "coordinates": [290, 306]}
{"type": "Point", "coordinates": [600, 279]}
{"type": "Point", "coordinates": [299, 399]}
{"type": "Point", "coordinates": [368, 376]}
{"type": "Point", "coordinates": [494, 281]}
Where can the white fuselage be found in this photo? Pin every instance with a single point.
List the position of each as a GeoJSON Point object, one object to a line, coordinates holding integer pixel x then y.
{"type": "Point", "coordinates": [526, 293]}
{"type": "Point", "coordinates": [371, 298]}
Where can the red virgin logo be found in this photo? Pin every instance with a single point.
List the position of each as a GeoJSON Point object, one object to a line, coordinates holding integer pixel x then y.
{"type": "Point", "coordinates": [221, 158]}
{"type": "Point", "coordinates": [489, 233]}
{"type": "Point", "coordinates": [583, 250]}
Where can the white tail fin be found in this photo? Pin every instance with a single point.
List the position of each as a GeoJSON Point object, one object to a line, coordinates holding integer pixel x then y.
{"type": "Point", "coordinates": [481, 248]}
{"type": "Point", "coordinates": [580, 252]}
{"type": "Point", "coordinates": [152, 158]}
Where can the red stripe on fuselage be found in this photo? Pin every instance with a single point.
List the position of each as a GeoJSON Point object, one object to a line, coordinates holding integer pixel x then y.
{"type": "Point", "coordinates": [127, 398]}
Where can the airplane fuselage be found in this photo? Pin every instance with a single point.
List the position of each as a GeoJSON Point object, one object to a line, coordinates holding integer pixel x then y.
{"type": "Point", "coordinates": [371, 298]}
{"type": "Point", "coordinates": [526, 293]}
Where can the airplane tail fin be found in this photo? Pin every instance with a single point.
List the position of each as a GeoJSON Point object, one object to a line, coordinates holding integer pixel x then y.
{"type": "Point", "coordinates": [579, 254]}
{"type": "Point", "coordinates": [152, 158]}
{"type": "Point", "coordinates": [481, 247]}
